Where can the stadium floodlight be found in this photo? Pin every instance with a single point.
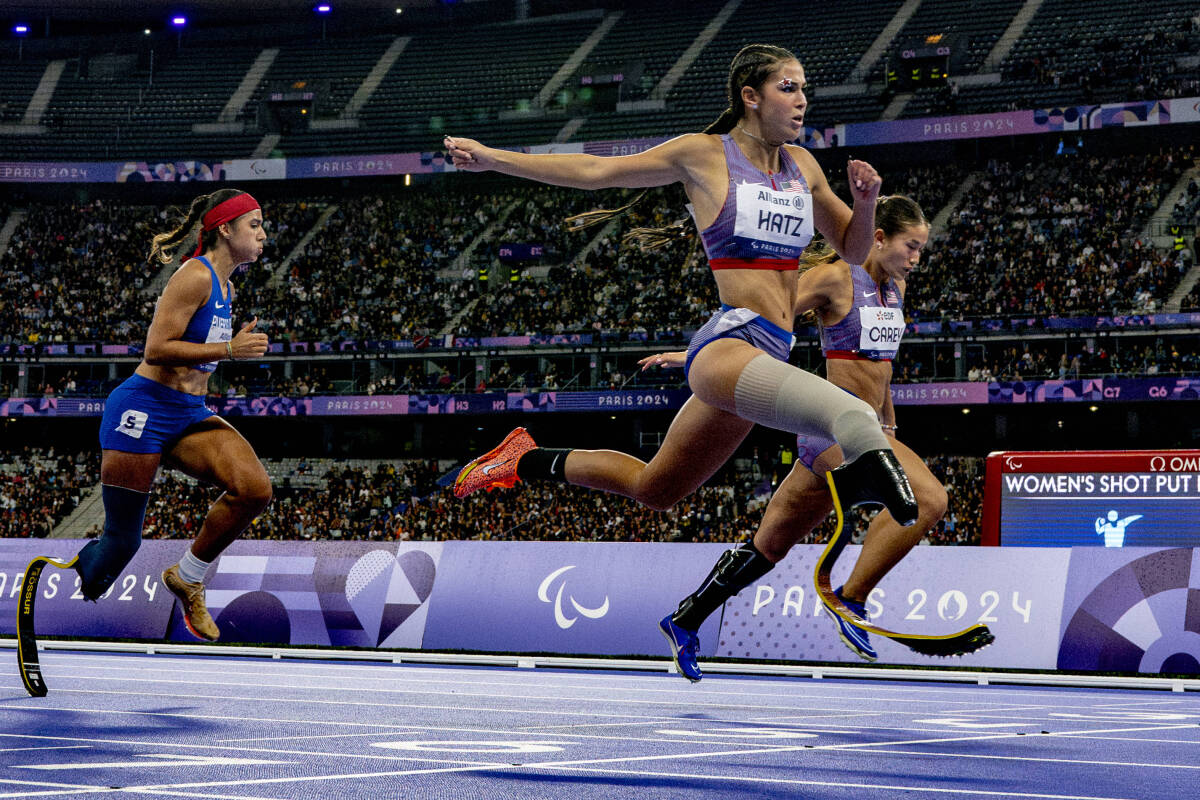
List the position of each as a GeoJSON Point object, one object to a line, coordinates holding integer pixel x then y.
{"type": "Point", "coordinates": [323, 10]}
{"type": "Point", "coordinates": [20, 30]}
{"type": "Point", "coordinates": [179, 22]}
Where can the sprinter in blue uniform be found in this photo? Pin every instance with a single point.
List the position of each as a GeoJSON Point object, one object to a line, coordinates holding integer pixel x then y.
{"type": "Point", "coordinates": [158, 415]}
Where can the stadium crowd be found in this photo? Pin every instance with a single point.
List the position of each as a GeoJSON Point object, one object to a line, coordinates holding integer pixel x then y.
{"type": "Point", "coordinates": [1058, 238]}
{"type": "Point", "coordinates": [39, 488]}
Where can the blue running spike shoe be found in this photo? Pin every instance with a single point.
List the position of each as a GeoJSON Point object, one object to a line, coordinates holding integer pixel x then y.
{"type": "Point", "coordinates": [684, 644]}
{"type": "Point", "coordinates": [854, 637]}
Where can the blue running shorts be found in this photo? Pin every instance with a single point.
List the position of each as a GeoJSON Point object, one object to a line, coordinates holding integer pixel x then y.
{"type": "Point", "coordinates": [144, 416]}
{"type": "Point", "coordinates": [744, 324]}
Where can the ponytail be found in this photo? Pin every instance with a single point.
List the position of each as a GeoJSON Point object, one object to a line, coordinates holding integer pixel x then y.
{"type": "Point", "coordinates": [164, 246]}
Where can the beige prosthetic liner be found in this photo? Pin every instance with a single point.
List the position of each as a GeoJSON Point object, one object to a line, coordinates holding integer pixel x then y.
{"type": "Point", "coordinates": [778, 395]}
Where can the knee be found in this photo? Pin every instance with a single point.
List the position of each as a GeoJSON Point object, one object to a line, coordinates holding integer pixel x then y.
{"type": "Point", "coordinates": [658, 498]}
{"type": "Point", "coordinates": [932, 503]}
{"type": "Point", "coordinates": [251, 489]}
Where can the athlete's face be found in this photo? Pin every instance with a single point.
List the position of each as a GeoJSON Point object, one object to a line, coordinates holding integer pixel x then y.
{"type": "Point", "coordinates": [781, 102]}
{"type": "Point", "coordinates": [246, 237]}
{"type": "Point", "coordinates": [898, 255]}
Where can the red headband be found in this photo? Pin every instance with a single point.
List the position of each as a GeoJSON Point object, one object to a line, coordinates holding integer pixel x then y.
{"type": "Point", "coordinates": [223, 212]}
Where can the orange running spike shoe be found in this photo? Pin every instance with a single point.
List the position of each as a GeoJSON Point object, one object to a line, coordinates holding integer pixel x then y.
{"type": "Point", "coordinates": [495, 468]}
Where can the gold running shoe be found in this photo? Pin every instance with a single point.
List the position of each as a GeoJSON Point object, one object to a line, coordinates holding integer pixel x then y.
{"type": "Point", "coordinates": [191, 599]}
{"type": "Point", "coordinates": [495, 468]}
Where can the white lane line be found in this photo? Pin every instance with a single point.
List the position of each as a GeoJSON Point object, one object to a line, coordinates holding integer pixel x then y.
{"type": "Point", "coordinates": [1135, 739]}
{"type": "Point", "coordinates": [384, 728]}
{"type": "Point", "coordinates": [736, 685]}
{"type": "Point", "coordinates": [48, 785]}
{"type": "Point", "coordinates": [165, 760]}
{"type": "Point", "coordinates": [309, 779]}
{"type": "Point", "coordinates": [921, 790]}
{"type": "Point", "coordinates": [244, 745]}
{"type": "Point", "coordinates": [678, 697]}
{"type": "Point", "coordinates": [309, 701]}
{"type": "Point", "coordinates": [77, 791]}
{"type": "Point", "coordinates": [48, 747]}
{"type": "Point", "coordinates": [1136, 764]}
{"type": "Point", "coordinates": [140, 743]}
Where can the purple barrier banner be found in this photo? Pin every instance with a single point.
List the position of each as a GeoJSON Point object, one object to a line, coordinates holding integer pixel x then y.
{"type": "Point", "coordinates": [359, 166]}
{"type": "Point", "coordinates": [1017, 123]}
{"type": "Point", "coordinates": [565, 597]}
{"type": "Point", "coordinates": [1092, 390]}
{"type": "Point", "coordinates": [935, 590]}
{"type": "Point", "coordinates": [622, 147]}
{"type": "Point", "coordinates": [345, 594]}
{"type": "Point", "coordinates": [1132, 610]}
{"type": "Point", "coordinates": [137, 605]}
{"type": "Point", "coordinates": [932, 394]}
{"type": "Point", "coordinates": [52, 407]}
{"type": "Point", "coordinates": [903, 394]}
{"type": "Point", "coordinates": [1086, 608]}
{"type": "Point", "coordinates": [55, 172]}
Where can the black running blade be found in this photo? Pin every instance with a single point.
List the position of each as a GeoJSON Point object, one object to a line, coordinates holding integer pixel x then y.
{"type": "Point", "coordinates": [960, 644]}
{"type": "Point", "coordinates": [27, 651]}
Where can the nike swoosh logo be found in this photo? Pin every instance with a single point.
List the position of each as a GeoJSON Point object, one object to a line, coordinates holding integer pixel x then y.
{"type": "Point", "coordinates": [553, 464]}
{"type": "Point", "coordinates": [865, 294]}
{"type": "Point", "coordinates": [220, 306]}
{"type": "Point", "coordinates": [488, 469]}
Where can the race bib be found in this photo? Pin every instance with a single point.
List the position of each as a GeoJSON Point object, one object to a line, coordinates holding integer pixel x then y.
{"type": "Point", "coordinates": [220, 329]}
{"type": "Point", "coordinates": [881, 329]}
{"type": "Point", "coordinates": [772, 223]}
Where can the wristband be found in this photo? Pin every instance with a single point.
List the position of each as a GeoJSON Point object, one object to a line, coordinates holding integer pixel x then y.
{"type": "Point", "coordinates": [229, 350]}
{"type": "Point", "coordinates": [887, 427]}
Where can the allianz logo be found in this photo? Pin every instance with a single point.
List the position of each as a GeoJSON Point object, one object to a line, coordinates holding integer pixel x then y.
{"type": "Point", "coordinates": [560, 614]}
{"type": "Point", "coordinates": [1112, 528]}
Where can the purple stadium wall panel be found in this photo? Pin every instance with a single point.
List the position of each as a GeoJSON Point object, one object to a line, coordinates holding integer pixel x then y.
{"type": "Point", "coordinates": [1089, 608]}
{"type": "Point", "coordinates": [603, 598]}
{"type": "Point", "coordinates": [935, 590]}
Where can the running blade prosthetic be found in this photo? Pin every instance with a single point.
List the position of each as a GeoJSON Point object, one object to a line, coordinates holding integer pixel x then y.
{"type": "Point", "coordinates": [27, 650]}
{"type": "Point", "coordinates": [965, 641]}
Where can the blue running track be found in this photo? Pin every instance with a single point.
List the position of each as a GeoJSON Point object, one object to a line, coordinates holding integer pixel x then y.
{"type": "Point", "coordinates": [123, 725]}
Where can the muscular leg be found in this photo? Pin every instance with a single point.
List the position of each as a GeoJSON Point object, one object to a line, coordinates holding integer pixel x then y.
{"type": "Point", "coordinates": [798, 506]}
{"type": "Point", "coordinates": [215, 453]}
{"type": "Point", "coordinates": [887, 542]}
{"type": "Point", "coordinates": [701, 438]}
{"type": "Point", "coordinates": [129, 470]}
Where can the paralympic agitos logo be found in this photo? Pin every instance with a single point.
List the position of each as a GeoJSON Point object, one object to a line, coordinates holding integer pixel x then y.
{"type": "Point", "coordinates": [560, 615]}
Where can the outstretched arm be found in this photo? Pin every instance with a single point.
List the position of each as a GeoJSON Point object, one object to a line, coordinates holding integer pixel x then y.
{"type": "Point", "coordinates": [660, 165]}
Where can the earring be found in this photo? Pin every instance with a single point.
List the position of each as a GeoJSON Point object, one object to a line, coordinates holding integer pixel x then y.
{"type": "Point", "coordinates": [754, 106]}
